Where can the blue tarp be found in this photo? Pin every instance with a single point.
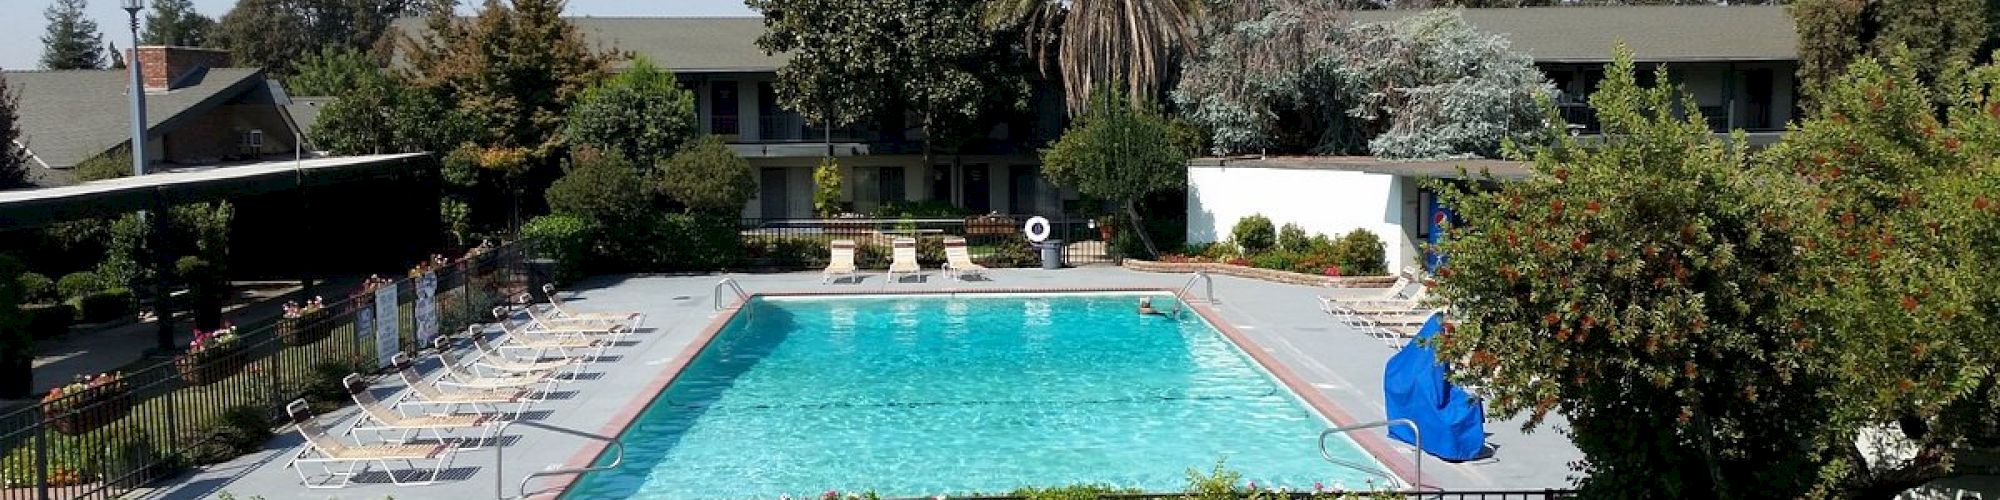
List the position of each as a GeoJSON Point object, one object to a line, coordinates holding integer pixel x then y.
{"type": "Point", "coordinates": [1414, 385]}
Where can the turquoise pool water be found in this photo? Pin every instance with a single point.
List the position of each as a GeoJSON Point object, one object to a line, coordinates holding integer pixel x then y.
{"type": "Point", "coordinates": [936, 394]}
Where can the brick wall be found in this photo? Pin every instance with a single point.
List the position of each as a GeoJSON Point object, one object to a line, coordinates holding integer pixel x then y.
{"type": "Point", "coordinates": [217, 135]}
{"type": "Point", "coordinates": [161, 66]}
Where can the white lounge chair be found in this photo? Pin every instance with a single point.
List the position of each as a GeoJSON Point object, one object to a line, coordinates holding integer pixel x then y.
{"type": "Point", "coordinates": [451, 395]}
{"type": "Point", "coordinates": [958, 262]}
{"type": "Point", "coordinates": [383, 420]}
{"type": "Point", "coordinates": [631, 319]}
{"type": "Point", "coordinates": [903, 254]}
{"type": "Point", "coordinates": [326, 451]}
{"type": "Point", "coordinates": [545, 322]}
{"type": "Point", "coordinates": [840, 263]}
{"type": "Point", "coordinates": [493, 358]}
{"type": "Point", "coordinates": [1329, 304]}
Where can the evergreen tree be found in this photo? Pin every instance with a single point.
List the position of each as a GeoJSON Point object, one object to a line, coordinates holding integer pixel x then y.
{"type": "Point", "coordinates": [72, 41]}
{"type": "Point", "coordinates": [117, 57]}
{"type": "Point", "coordinates": [13, 160]}
{"type": "Point", "coordinates": [174, 22]}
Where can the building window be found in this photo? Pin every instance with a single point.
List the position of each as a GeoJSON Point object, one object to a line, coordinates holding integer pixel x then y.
{"type": "Point", "coordinates": [891, 185]}
{"type": "Point", "coordinates": [722, 108]}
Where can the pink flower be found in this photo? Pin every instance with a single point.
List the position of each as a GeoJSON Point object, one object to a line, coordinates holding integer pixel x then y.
{"type": "Point", "coordinates": [1318, 487]}
{"type": "Point", "coordinates": [830, 495]}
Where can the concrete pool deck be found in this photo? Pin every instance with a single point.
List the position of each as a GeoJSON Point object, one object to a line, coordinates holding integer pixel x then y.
{"type": "Point", "coordinates": [1340, 364]}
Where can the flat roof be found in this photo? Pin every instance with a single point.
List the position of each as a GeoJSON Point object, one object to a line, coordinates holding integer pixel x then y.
{"type": "Point", "coordinates": [1443, 169]}
{"type": "Point", "coordinates": [29, 208]}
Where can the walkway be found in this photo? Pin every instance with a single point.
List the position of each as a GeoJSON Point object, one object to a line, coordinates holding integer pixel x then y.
{"type": "Point", "coordinates": [1284, 320]}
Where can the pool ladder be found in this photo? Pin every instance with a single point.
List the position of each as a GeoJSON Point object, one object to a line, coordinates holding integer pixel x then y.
{"type": "Point", "coordinates": [1414, 432]}
{"type": "Point", "coordinates": [521, 492]}
{"type": "Point", "coordinates": [733, 286]}
{"type": "Point", "coordinates": [1208, 290]}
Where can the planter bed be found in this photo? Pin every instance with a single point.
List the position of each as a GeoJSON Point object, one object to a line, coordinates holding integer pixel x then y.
{"type": "Point", "coordinates": [1271, 275]}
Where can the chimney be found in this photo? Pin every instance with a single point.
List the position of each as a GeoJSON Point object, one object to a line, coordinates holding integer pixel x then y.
{"type": "Point", "coordinates": [165, 68]}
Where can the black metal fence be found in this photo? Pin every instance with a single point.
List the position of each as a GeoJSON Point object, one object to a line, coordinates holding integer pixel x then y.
{"type": "Point", "coordinates": [992, 241]}
{"type": "Point", "coordinates": [102, 441]}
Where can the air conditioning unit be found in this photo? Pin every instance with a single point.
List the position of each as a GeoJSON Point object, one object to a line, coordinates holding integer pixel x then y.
{"type": "Point", "coordinates": [252, 142]}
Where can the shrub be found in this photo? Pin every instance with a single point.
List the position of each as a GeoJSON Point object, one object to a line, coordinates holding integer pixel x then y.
{"type": "Point", "coordinates": [1010, 252]}
{"type": "Point", "coordinates": [695, 243]}
{"type": "Point", "coordinates": [927, 209]}
{"type": "Point", "coordinates": [49, 321]}
{"type": "Point", "coordinates": [242, 429]}
{"type": "Point", "coordinates": [601, 189]}
{"type": "Point", "coordinates": [1071, 492]}
{"type": "Point", "coordinates": [1361, 253]}
{"type": "Point", "coordinates": [707, 178]}
{"type": "Point", "coordinates": [80, 283]}
{"type": "Point", "coordinates": [1254, 234]}
{"type": "Point", "coordinates": [826, 189]}
{"type": "Point", "coordinates": [796, 253]}
{"type": "Point", "coordinates": [1292, 238]}
{"type": "Point", "coordinates": [871, 256]}
{"type": "Point", "coordinates": [640, 113]}
{"type": "Point", "coordinates": [206, 288]}
{"type": "Point", "coordinates": [36, 288]}
{"type": "Point", "coordinates": [565, 239]}
{"type": "Point", "coordinates": [105, 305]}
{"type": "Point", "coordinates": [1276, 259]}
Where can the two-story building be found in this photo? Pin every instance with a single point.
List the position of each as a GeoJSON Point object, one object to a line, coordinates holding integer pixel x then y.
{"type": "Point", "coordinates": [200, 111]}
{"type": "Point", "coordinates": [1736, 62]}
{"type": "Point", "coordinates": [718, 59]}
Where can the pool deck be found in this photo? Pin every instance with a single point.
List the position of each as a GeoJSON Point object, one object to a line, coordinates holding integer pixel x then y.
{"type": "Point", "coordinates": [1338, 363]}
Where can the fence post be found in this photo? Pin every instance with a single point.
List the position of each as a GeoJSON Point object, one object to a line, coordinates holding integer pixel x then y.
{"type": "Point", "coordinates": [41, 455]}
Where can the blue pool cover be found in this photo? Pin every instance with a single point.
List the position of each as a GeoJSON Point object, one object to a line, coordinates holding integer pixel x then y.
{"type": "Point", "coordinates": [1453, 424]}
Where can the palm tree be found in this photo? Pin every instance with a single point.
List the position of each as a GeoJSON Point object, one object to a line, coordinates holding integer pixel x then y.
{"type": "Point", "coordinates": [1128, 42]}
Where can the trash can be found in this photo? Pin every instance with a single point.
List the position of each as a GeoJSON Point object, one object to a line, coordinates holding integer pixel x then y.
{"type": "Point", "coordinates": [1052, 254]}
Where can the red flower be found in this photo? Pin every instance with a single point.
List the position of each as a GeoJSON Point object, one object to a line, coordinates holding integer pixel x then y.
{"type": "Point", "coordinates": [1591, 207]}
{"type": "Point", "coordinates": [1980, 203]}
{"type": "Point", "coordinates": [1909, 303]}
{"type": "Point", "coordinates": [1556, 205]}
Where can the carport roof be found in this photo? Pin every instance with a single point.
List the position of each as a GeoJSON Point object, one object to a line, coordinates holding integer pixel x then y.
{"type": "Point", "coordinates": [29, 208]}
{"type": "Point", "coordinates": [1446, 169]}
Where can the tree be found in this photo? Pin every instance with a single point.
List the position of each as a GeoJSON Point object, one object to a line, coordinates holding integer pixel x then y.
{"type": "Point", "coordinates": [1905, 199]}
{"type": "Point", "coordinates": [1630, 287]}
{"type": "Point", "coordinates": [1119, 154]}
{"type": "Point", "coordinates": [511, 74]}
{"type": "Point", "coordinates": [276, 33]}
{"type": "Point", "coordinates": [13, 159]}
{"type": "Point", "coordinates": [852, 59]}
{"type": "Point", "coordinates": [330, 72]}
{"type": "Point", "coordinates": [614, 202]}
{"type": "Point", "coordinates": [1297, 80]}
{"type": "Point", "coordinates": [1833, 33]}
{"type": "Point", "coordinates": [117, 56]}
{"type": "Point", "coordinates": [380, 113]}
{"type": "Point", "coordinates": [706, 178]}
{"type": "Point", "coordinates": [72, 40]}
{"type": "Point", "coordinates": [175, 22]}
{"type": "Point", "coordinates": [641, 114]}
{"type": "Point", "coordinates": [1130, 43]}
{"type": "Point", "coordinates": [826, 189]}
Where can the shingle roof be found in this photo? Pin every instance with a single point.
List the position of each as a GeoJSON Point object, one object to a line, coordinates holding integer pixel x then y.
{"type": "Point", "coordinates": [1655, 33]}
{"type": "Point", "coordinates": [305, 112]}
{"type": "Point", "coordinates": [681, 44]}
{"type": "Point", "coordinates": [70, 116]}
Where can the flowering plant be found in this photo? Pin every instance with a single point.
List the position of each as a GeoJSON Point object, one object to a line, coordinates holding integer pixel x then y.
{"type": "Point", "coordinates": [295, 310]}
{"type": "Point", "coordinates": [368, 286]}
{"type": "Point", "coordinates": [220, 338]}
{"type": "Point", "coordinates": [436, 262]}
{"type": "Point", "coordinates": [81, 384]}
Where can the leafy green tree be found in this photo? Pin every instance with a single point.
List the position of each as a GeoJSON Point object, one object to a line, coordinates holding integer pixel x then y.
{"type": "Point", "coordinates": [379, 113]}
{"type": "Point", "coordinates": [72, 40]}
{"type": "Point", "coordinates": [1904, 207]}
{"type": "Point", "coordinates": [1129, 43]}
{"type": "Point", "coordinates": [1833, 33]}
{"type": "Point", "coordinates": [641, 114]}
{"type": "Point", "coordinates": [330, 72]}
{"type": "Point", "coordinates": [1254, 93]}
{"type": "Point", "coordinates": [1119, 154]}
{"type": "Point", "coordinates": [1632, 288]}
{"type": "Point", "coordinates": [175, 22]}
{"type": "Point", "coordinates": [614, 202]}
{"type": "Point", "coordinates": [274, 34]}
{"type": "Point", "coordinates": [13, 159]}
{"type": "Point", "coordinates": [513, 122]}
{"type": "Point", "coordinates": [706, 178]}
{"type": "Point", "coordinates": [931, 59]}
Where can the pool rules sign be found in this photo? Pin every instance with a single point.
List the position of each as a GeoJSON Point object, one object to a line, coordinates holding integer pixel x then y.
{"type": "Point", "coordinates": [387, 338]}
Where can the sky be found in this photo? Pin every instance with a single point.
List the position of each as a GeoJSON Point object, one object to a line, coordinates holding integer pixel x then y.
{"type": "Point", "coordinates": [22, 23]}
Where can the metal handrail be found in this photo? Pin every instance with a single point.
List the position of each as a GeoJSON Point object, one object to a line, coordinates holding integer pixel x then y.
{"type": "Point", "coordinates": [500, 461]}
{"type": "Point", "coordinates": [1208, 286]}
{"type": "Point", "coordinates": [1414, 432]}
{"type": "Point", "coordinates": [731, 283]}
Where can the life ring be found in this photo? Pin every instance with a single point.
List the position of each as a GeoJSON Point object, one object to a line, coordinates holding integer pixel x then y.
{"type": "Point", "coordinates": [1037, 228]}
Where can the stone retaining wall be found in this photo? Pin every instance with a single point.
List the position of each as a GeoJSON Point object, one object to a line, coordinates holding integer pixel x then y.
{"type": "Point", "coordinates": [1272, 275]}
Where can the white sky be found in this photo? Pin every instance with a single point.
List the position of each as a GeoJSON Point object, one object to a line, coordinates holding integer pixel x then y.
{"type": "Point", "coordinates": [22, 24]}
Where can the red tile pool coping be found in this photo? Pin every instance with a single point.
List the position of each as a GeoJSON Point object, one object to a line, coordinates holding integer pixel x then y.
{"type": "Point", "coordinates": [616, 423]}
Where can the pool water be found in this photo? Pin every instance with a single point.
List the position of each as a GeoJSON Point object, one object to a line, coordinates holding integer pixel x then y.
{"type": "Point", "coordinates": [957, 394]}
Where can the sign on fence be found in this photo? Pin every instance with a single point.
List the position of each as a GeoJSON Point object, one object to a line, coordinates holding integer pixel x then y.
{"type": "Point", "coordinates": [364, 321]}
{"type": "Point", "coordinates": [387, 337]}
{"type": "Point", "coordinates": [427, 308]}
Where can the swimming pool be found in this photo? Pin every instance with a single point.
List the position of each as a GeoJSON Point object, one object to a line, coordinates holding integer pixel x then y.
{"type": "Point", "coordinates": [916, 395]}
